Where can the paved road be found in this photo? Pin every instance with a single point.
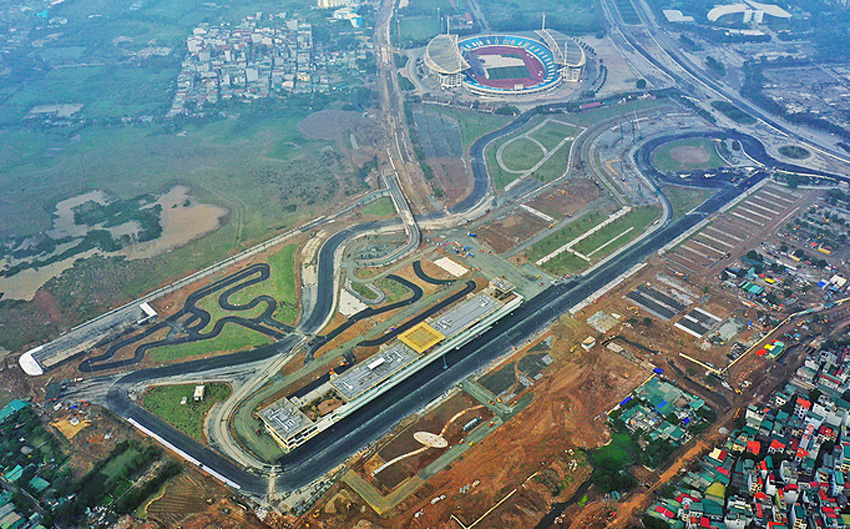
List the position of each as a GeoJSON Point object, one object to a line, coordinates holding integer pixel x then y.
{"type": "Point", "coordinates": [314, 459]}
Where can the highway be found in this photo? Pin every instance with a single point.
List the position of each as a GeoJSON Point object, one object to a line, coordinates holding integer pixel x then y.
{"type": "Point", "coordinates": [689, 76]}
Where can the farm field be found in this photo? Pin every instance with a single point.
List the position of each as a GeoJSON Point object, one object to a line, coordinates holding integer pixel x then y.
{"type": "Point", "coordinates": [101, 62]}
{"type": "Point", "coordinates": [164, 402]}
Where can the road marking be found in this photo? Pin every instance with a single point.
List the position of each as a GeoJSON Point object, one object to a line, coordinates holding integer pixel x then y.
{"type": "Point", "coordinates": [718, 241]}
{"type": "Point", "coordinates": [537, 213]}
{"type": "Point", "coordinates": [736, 214]}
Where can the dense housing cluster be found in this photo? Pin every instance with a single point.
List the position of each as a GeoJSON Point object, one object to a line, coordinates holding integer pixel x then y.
{"type": "Point", "coordinates": [257, 59]}
{"type": "Point", "coordinates": [786, 465]}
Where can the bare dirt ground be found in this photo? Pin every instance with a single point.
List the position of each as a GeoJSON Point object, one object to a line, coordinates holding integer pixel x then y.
{"type": "Point", "coordinates": [452, 178]}
{"type": "Point", "coordinates": [503, 234]}
{"type": "Point", "coordinates": [567, 198]}
{"type": "Point", "coordinates": [461, 407]}
{"type": "Point", "coordinates": [527, 455]}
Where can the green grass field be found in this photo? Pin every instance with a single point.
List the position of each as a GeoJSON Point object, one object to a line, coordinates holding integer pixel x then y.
{"type": "Point", "coordinates": [280, 285]}
{"type": "Point", "coordinates": [565, 234]}
{"type": "Point", "coordinates": [618, 233]}
{"type": "Point", "coordinates": [232, 338]}
{"type": "Point", "coordinates": [414, 31]}
{"type": "Point", "coordinates": [566, 263]}
{"type": "Point", "coordinates": [383, 207]}
{"type": "Point", "coordinates": [555, 166]}
{"type": "Point", "coordinates": [363, 290]}
{"type": "Point", "coordinates": [672, 157]}
{"type": "Point", "coordinates": [521, 154]}
{"type": "Point", "coordinates": [395, 291]}
{"type": "Point", "coordinates": [164, 402]}
{"type": "Point", "coordinates": [89, 63]}
{"type": "Point", "coordinates": [734, 113]}
{"type": "Point", "coordinates": [552, 133]}
{"type": "Point", "coordinates": [501, 178]}
{"type": "Point", "coordinates": [472, 124]}
{"type": "Point", "coordinates": [627, 12]}
{"type": "Point", "coordinates": [683, 199]}
{"type": "Point", "coordinates": [508, 72]}
{"type": "Point", "coordinates": [794, 152]}
{"type": "Point", "coordinates": [572, 16]}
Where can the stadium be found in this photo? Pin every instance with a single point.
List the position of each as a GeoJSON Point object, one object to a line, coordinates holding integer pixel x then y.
{"type": "Point", "coordinates": [504, 65]}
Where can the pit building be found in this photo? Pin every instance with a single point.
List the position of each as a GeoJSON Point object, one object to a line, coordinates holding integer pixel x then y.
{"type": "Point", "coordinates": [293, 421]}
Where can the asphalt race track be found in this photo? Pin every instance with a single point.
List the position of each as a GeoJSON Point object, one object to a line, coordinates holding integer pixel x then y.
{"type": "Point", "coordinates": [195, 319]}
{"type": "Point", "coordinates": [312, 460]}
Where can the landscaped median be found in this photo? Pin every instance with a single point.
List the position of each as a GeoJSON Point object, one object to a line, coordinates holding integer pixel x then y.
{"type": "Point", "coordinates": [589, 239]}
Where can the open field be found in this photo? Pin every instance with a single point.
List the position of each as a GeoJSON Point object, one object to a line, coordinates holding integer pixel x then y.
{"type": "Point", "coordinates": [618, 233]}
{"type": "Point", "coordinates": [383, 207]}
{"type": "Point", "coordinates": [472, 124]}
{"type": "Point", "coordinates": [567, 198]}
{"type": "Point", "coordinates": [794, 152]}
{"type": "Point", "coordinates": [566, 234]}
{"type": "Point", "coordinates": [684, 199]}
{"type": "Point", "coordinates": [555, 166]}
{"type": "Point", "coordinates": [503, 234]}
{"type": "Point", "coordinates": [101, 62]}
{"type": "Point", "coordinates": [521, 154]}
{"type": "Point", "coordinates": [164, 402]}
{"type": "Point", "coordinates": [461, 407]}
{"type": "Point", "coordinates": [232, 338]}
{"type": "Point", "coordinates": [573, 16]}
{"type": "Point", "coordinates": [417, 30]}
{"type": "Point", "coordinates": [234, 162]}
{"type": "Point", "coordinates": [627, 11]}
{"type": "Point", "coordinates": [732, 112]}
{"type": "Point", "coordinates": [694, 154]}
{"type": "Point", "coordinates": [280, 285]}
{"type": "Point", "coordinates": [552, 133]}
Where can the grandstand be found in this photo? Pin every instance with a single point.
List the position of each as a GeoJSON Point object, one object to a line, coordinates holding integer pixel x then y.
{"type": "Point", "coordinates": [443, 59]}
{"type": "Point", "coordinates": [413, 350]}
{"type": "Point", "coordinates": [504, 65]}
{"type": "Point", "coordinates": [571, 58]}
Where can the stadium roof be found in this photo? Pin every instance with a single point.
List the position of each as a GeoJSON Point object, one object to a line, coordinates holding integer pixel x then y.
{"type": "Point", "coordinates": [443, 56]}
{"type": "Point", "coordinates": [731, 9]}
{"type": "Point", "coordinates": [421, 337]}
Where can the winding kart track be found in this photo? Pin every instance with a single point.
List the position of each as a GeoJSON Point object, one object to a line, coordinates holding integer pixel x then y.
{"type": "Point", "coordinates": [195, 319]}
{"type": "Point", "coordinates": [314, 459]}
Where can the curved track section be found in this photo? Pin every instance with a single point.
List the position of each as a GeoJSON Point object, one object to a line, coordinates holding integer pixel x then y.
{"type": "Point", "coordinates": [417, 269]}
{"type": "Point", "coordinates": [191, 320]}
{"type": "Point", "coordinates": [314, 459]}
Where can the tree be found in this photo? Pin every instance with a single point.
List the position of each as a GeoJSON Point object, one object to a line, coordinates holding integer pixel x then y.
{"type": "Point", "coordinates": [647, 321]}
{"type": "Point", "coordinates": [641, 84]}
